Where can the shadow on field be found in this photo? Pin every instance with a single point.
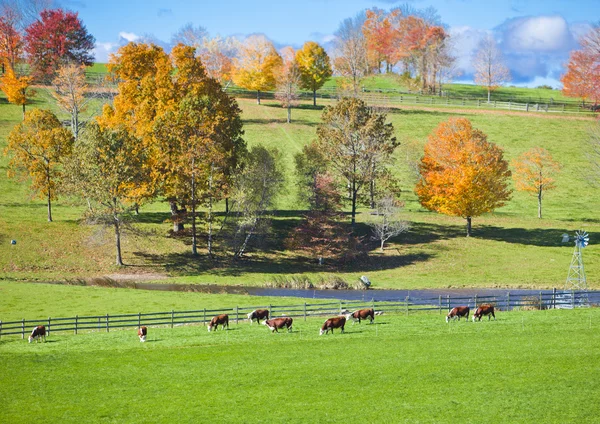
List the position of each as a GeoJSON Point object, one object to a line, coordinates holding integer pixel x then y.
{"type": "Point", "coordinates": [531, 237]}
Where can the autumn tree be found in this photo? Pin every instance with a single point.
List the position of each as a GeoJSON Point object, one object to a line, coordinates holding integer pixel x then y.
{"type": "Point", "coordinates": [256, 187]}
{"type": "Point", "coordinates": [309, 164]}
{"type": "Point", "coordinates": [387, 223]}
{"type": "Point", "coordinates": [17, 89]}
{"type": "Point", "coordinates": [462, 173]}
{"type": "Point", "coordinates": [190, 35]}
{"type": "Point", "coordinates": [72, 94]}
{"type": "Point", "coordinates": [288, 81]}
{"type": "Point", "coordinates": [490, 70]}
{"type": "Point", "coordinates": [106, 169]}
{"type": "Point", "coordinates": [257, 65]}
{"type": "Point", "coordinates": [534, 173]}
{"type": "Point", "coordinates": [381, 31]}
{"type": "Point", "coordinates": [38, 147]}
{"type": "Point", "coordinates": [11, 40]}
{"type": "Point", "coordinates": [58, 37]}
{"type": "Point", "coordinates": [315, 67]}
{"type": "Point", "coordinates": [582, 78]}
{"type": "Point", "coordinates": [350, 60]}
{"type": "Point", "coordinates": [353, 137]}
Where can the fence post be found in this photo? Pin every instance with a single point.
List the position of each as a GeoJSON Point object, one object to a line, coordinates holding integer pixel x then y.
{"type": "Point", "coordinates": [508, 301]}
{"type": "Point", "coordinates": [527, 107]}
{"type": "Point", "coordinates": [107, 323]}
{"type": "Point", "coordinates": [304, 311]}
{"type": "Point", "coordinates": [76, 319]}
{"type": "Point", "coordinates": [478, 102]}
{"type": "Point", "coordinates": [172, 317]}
{"type": "Point", "coordinates": [475, 306]}
{"type": "Point", "coordinates": [406, 300]}
{"type": "Point", "coordinates": [448, 301]}
{"type": "Point", "coordinates": [48, 332]}
{"type": "Point", "coordinates": [572, 298]}
{"type": "Point", "coordinates": [540, 300]}
{"type": "Point", "coordinates": [341, 306]}
{"type": "Point", "coordinates": [554, 298]}
{"type": "Point", "coordinates": [270, 313]}
{"type": "Point", "coordinates": [139, 319]}
{"type": "Point", "coordinates": [23, 329]}
{"type": "Point", "coordinates": [237, 318]}
{"type": "Point", "coordinates": [0, 329]}
{"type": "Point", "coordinates": [509, 105]}
{"type": "Point", "coordinates": [494, 104]}
{"type": "Point", "coordinates": [204, 319]}
{"type": "Point", "coordinates": [440, 303]}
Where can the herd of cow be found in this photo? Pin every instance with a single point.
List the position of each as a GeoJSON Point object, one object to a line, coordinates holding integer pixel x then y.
{"type": "Point", "coordinates": [330, 324]}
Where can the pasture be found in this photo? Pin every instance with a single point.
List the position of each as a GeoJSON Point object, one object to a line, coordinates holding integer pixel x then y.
{"type": "Point", "coordinates": [527, 366]}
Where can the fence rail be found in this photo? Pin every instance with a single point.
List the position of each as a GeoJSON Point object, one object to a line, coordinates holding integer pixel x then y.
{"type": "Point", "coordinates": [542, 300]}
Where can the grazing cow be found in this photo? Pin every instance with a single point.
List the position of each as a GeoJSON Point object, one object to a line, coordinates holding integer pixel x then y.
{"type": "Point", "coordinates": [37, 333]}
{"type": "Point", "coordinates": [331, 323]}
{"type": "Point", "coordinates": [222, 319]}
{"type": "Point", "coordinates": [276, 323]}
{"type": "Point", "coordinates": [258, 314]}
{"type": "Point", "coordinates": [142, 333]}
{"type": "Point", "coordinates": [360, 315]}
{"type": "Point", "coordinates": [457, 312]}
{"type": "Point", "coordinates": [484, 310]}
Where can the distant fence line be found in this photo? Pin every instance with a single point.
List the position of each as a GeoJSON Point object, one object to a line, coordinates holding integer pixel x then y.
{"type": "Point", "coordinates": [543, 300]}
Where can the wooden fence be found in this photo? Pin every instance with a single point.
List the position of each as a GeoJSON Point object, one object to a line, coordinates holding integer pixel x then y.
{"type": "Point", "coordinates": [408, 305]}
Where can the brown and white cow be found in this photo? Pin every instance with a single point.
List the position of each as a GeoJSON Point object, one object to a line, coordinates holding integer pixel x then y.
{"type": "Point", "coordinates": [222, 319]}
{"type": "Point", "coordinates": [258, 314]}
{"type": "Point", "coordinates": [38, 333]}
{"type": "Point", "coordinates": [457, 312]}
{"type": "Point", "coordinates": [482, 310]}
{"type": "Point", "coordinates": [276, 323]}
{"type": "Point", "coordinates": [360, 315]}
{"type": "Point", "coordinates": [142, 333]}
{"type": "Point", "coordinates": [331, 323]}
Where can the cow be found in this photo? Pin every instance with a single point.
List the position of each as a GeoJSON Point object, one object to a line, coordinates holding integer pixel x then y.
{"type": "Point", "coordinates": [331, 323]}
{"type": "Point", "coordinates": [360, 315]}
{"type": "Point", "coordinates": [482, 310]}
{"type": "Point", "coordinates": [276, 323]}
{"type": "Point", "coordinates": [258, 314]}
{"type": "Point", "coordinates": [142, 333]}
{"type": "Point", "coordinates": [457, 312]}
{"type": "Point", "coordinates": [37, 333]}
{"type": "Point", "coordinates": [222, 319]}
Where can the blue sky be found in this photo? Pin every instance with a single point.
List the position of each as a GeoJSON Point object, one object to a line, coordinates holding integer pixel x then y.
{"type": "Point", "coordinates": [535, 35]}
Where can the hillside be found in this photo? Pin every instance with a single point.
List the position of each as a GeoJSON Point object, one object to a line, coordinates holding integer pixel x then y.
{"type": "Point", "coordinates": [510, 248]}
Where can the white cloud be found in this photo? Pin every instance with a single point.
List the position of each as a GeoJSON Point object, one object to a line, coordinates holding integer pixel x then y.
{"type": "Point", "coordinates": [129, 36]}
{"type": "Point", "coordinates": [537, 34]}
{"type": "Point", "coordinates": [103, 50]}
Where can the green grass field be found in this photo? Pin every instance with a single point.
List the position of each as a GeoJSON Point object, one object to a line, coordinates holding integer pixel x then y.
{"type": "Point", "coordinates": [527, 366]}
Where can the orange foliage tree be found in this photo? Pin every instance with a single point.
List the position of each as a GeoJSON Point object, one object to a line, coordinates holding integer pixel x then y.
{"type": "Point", "coordinates": [11, 41]}
{"type": "Point", "coordinates": [462, 174]}
{"type": "Point", "coordinates": [583, 70]}
{"type": "Point", "coordinates": [534, 173]}
{"type": "Point", "coordinates": [38, 146]}
{"type": "Point", "coordinates": [381, 34]}
{"type": "Point", "coordinates": [17, 89]}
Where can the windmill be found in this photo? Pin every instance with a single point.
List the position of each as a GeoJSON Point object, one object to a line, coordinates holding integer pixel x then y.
{"type": "Point", "coordinates": [576, 278]}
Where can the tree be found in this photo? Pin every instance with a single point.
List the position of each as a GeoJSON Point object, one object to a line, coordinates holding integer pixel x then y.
{"type": "Point", "coordinates": [288, 82]}
{"type": "Point", "coordinates": [462, 173]}
{"type": "Point", "coordinates": [315, 67]}
{"type": "Point", "coordinates": [582, 78]}
{"type": "Point", "coordinates": [70, 89]}
{"type": "Point", "coordinates": [57, 38]}
{"type": "Point", "coordinates": [389, 225]}
{"type": "Point", "coordinates": [351, 52]}
{"type": "Point", "coordinates": [190, 35]}
{"type": "Point", "coordinates": [381, 32]}
{"type": "Point", "coordinates": [490, 70]}
{"type": "Point", "coordinates": [356, 142]}
{"type": "Point", "coordinates": [106, 168]}
{"type": "Point", "coordinates": [310, 163]}
{"type": "Point", "coordinates": [257, 65]}
{"type": "Point", "coordinates": [256, 187]}
{"type": "Point", "coordinates": [216, 55]}
{"type": "Point", "coordinates": [11, 40]}
{"type": "Point", "coordinates": [534, 173]}
{"type": "Point", "coordinates": [38, 146]}
{"type": "Point", "coordinates": [17, 89]}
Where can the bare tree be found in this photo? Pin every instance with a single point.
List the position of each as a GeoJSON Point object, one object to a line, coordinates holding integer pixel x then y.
{"type": "Point", "coordinates": [288, 82]}
{"type": "Point", "coordinates": [28, 11]}
{"type": "Point", "coordinates": [350, 59]}
{"type": "Point", "coordinates": [490, 70]}
{"type": "Point", "coordinates": [71, 94]}
{"type": "Point", "coordinates": [190, 35]}
{"type": "Point", "coordinates": [388, 224]}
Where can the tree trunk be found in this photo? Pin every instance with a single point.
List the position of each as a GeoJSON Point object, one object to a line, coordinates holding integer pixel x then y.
{"type": "Point", "coordinates": [289, 114]}
{"type": "Point", "coordinates": [489, 94]}
{"type": "Point", "coordinates": [177, 224]}
{"type": "Point", "coordinates": [353, 203]}
{"type": "Point", "coordinates": [468, 226]}
{"type": "Point", "coordinates": [227, 205]}
{"type": "Point", "coordinates": [118, 238]}
{"type": "Point", "coordinates": [210, 214]}
{"type": "Point", "coordinates": [49, 194]}
{"type": "Point", "coordinates": [372, 194]}
{"type": "Point", "coordinates": [540, 203]}
{"type": "Point", "coordinates": [257, 97]}
{"type": "Point", "coordinates": [194, 242]}
{"type": "Point", "coordinates": [314, 97]}
{"type": "Point", "coordinates": [382, 243]}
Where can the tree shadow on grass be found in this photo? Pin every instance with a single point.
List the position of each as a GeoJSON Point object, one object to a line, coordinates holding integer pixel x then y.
{"type": "Point", "coordinates": [531, 237]}
{"type": "Point", "coordinates": [424, 112]}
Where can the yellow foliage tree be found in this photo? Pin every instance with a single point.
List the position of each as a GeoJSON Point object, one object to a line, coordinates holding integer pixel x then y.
{"type": "Point", "coordinates": [257, 66]}
{"type": "Point", "coordinates": [315, 67]}
{"type": "Point", "coordinates": [462, 174]}
{"type": "Point", "coordinates": [17, 89]}
{"type": "Point", "coordinates": [534, 173]}
{"type": "Point", "coordinates": [38, 147]}
{"type": "Point", "coordinates": [70, 89]}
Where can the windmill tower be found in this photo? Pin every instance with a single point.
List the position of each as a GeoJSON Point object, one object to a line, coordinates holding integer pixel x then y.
{"type": "Point", "coordinates": [576, 278]}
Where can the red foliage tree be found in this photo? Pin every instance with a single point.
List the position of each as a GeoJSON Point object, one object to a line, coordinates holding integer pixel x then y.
{"type": "Point", "coordinates": [11, 41]}
{"type": "Point", "coordinates": [57, 38]}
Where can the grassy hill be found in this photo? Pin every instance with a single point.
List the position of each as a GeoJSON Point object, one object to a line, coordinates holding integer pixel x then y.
{"type": "Point", "coordinates": [510, 248]}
